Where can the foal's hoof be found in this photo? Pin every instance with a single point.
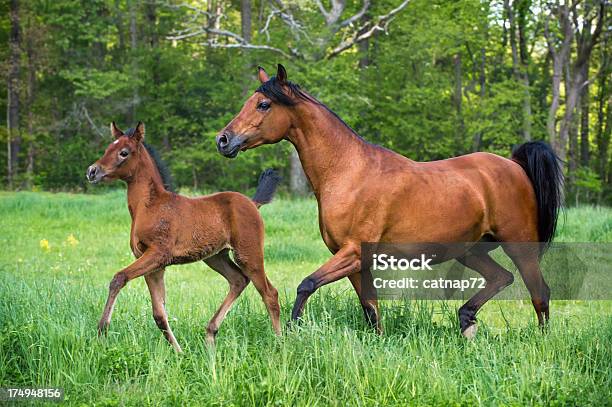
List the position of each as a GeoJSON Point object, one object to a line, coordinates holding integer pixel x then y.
{"type": "Point", "coordinates": [210, 340]}
{"type": "Point", "coordinates": [102, 330]}
{"type": "Point", "coordinates": [470, 331]}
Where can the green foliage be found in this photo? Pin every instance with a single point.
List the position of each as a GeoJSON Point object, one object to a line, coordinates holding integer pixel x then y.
{"type": "Point", "coordinates": [103, 60]}
{"type": "Point", "coordinates": [588, 179]}
{"type": "Point", "coordinates": [97, 84]}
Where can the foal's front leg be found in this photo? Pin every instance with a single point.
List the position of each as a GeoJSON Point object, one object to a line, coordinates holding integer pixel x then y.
{"type": "Point", "coordinates": [155, 282]}
{"type": "Point", "coordinates": [150, 261]}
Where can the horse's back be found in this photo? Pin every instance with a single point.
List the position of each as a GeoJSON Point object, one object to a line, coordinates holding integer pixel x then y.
{"type": "Point", "coordinates": [472, 195]}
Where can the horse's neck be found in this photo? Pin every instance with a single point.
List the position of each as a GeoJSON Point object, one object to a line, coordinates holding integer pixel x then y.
{"type": "Point", "coordinates": [327, 147]}
{"type": "Point", "coordinates": [145, 186]}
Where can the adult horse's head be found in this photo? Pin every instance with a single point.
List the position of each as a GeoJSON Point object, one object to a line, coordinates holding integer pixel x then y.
{"type": "Point", "coordinates": [265, 117]}
{"type": "Point", "coordinates": [121, 156]}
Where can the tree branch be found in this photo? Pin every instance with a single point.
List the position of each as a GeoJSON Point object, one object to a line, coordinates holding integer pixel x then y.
{"type": "Point", "coordinates": [368, 30]}
{"type": "Point", "coordinates": [356, 17]}
{"type": "Point", "coordinates": [248, 46]}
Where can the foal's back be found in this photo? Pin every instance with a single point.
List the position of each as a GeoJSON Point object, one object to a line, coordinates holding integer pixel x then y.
{"type": "Point", "coordinates": [205, 225]}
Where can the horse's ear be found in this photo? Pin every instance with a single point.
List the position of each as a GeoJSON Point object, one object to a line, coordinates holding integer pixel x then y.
{"type": "Point", "coordinates": [139, 132]}
{"type": "Point", "coordinates": [281, 74]}
{"type": "Point", "coordinates": [262, 75]}
{"type": "Point", "coordinates": [115, 130]}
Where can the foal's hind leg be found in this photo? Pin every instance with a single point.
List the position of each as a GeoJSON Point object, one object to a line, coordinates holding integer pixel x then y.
{"type": "Point", "coordinates": [155, 282]}
{"type": "Point", "coordinates": [497, 279]}
{"type": "Point", "coordinates": [526, 257]}
{"type": "Point", "coordinates": [251, 263]}
{"type": "Point", "coordinates": [223, 265]}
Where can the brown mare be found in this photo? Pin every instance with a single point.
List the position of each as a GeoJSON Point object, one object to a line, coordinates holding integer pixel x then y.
{"type": "Point", "coordinates": [366, 193]}
{"type": "Point", "coordinates": [168, 228]}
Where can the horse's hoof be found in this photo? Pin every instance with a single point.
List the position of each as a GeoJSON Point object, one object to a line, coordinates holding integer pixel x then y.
{"type": "Point", "coordinates": [470, 331]}
{"type": "Point", "coordinates": [292, 323]}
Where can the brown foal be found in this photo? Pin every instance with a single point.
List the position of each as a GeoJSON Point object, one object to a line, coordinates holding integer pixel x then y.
{"type": "Point", "coordinates": [367, 193]}
{"type": "Point", "coordinates": [168, 228]}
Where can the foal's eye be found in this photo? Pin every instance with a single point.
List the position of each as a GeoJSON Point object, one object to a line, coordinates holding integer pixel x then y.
{"type": "Point", "coordinates": [263, 105]}
{"type": "Point", "coordinates": [124, 153]}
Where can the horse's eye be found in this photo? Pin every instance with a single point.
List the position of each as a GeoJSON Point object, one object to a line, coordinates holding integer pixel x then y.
{"type": "Point", "coordinates": [124, 153]}
{"type": "Point", "coordinates": [263, 105]}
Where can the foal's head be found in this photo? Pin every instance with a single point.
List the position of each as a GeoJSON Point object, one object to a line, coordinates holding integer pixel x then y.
{"type": "Point", "coordinates": [266, 116]}
{"type": "Point", "coordinates": [121, 157]}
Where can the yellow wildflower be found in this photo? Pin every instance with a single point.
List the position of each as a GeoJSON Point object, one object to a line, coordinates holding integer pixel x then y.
{"type": "Point", "coordinates": [44, 244]}
{"type": "Point", "coordinates": [71, 240]}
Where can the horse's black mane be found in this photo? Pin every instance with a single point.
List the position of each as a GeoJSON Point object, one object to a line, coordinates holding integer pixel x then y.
{"type": "Point", "coordinates": [275, 90]}
{"type": "Point", "coordinates": [163, 170]}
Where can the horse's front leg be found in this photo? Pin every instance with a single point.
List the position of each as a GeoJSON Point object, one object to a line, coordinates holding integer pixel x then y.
{"type": "Point", "coordinates": [344, 263]}
{"type": "Point", "coordinates": [151, 260]}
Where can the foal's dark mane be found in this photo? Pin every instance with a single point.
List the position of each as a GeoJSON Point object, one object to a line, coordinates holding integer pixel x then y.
{"type": "Point", "coordinates": [162, 168]}
{"type": "Point", "coordinates": [275, 90]}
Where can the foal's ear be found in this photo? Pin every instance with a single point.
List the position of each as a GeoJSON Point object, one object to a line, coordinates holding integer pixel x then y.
{"type": "Point", "coordinates": [115, 130]}
{"type": "Point", "coordinates": [262, 75]}
{"type": "Point", "coordinates": [281, 74]}
{"type": "Point", "coordinates": [139, 132]}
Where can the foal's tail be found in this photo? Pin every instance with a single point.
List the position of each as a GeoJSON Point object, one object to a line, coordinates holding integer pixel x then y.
{"type": "Point", "coordinates": [544, 169]}
{"type": "Point", "coordinates": [268, 181]}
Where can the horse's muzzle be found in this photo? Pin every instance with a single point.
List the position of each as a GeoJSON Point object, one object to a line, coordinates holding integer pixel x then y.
{"type": "Point", "coordinates": [95, 174]}
{"type": "Point", "coordinates": [229, 143]}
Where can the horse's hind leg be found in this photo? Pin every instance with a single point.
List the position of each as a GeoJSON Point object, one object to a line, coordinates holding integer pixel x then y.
{"type": "Point", "coordinates": [497, 279]}
{"type": "Point", "coordinates": [155, 282]}
{"type": "Point", "coordinates": [370, 307]}
{"type": "Point", "coordinates": [237, 281]}
{"type": "Point", "coordinates": [526, 257]}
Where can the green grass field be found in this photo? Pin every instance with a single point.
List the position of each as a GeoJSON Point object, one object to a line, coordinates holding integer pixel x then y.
{"type": "Point", "coordinates": [52, 295]}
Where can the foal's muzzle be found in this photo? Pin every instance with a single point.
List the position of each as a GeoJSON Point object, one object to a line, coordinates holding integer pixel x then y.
{"type": "Point", "coordinates": [95, 174]}
{"type": "Point", "coordinates": [229, 143]}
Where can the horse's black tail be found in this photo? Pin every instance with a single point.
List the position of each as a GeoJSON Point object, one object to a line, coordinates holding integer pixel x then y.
{"type": "Point", "coordinates": [268, 181]}
{"type": "Point", "coordinates": [545, 171]}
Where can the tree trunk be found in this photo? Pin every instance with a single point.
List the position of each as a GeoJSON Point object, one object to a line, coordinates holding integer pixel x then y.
{"type": "Point", "coordinates": [12, 116]}
{"type": "Point", "coordinates": [133, 46]}
{"type": "Point", "coordinates": [578, 71]}
{"type": "Point", "coordinates": [458, 103]}
{"type": "Point", "coordinates": [519, 67]}
{"type": "Point", "coordinates": [298, 184]}
{"type": "Point", "coordinates": [246, 15]}
{"type": "Point", "coordinates": [551, 120]}
{"type": "Point", "coordinates": [245, 19]}
{"type": "Point", "coordinates": [482, 79]}
{"type": "Point", "coordinates": [604, 111]}
{"type": "Point", "coordinates": [585, 101]}
{"type": "Point", "coordinates": [560, 57]}
{"type": "Point", "coordinates": [31, 92]}
{"type": "Point", "coordinates": [567, 132]}
{"type": "Point", "coordinates": [604, 117]}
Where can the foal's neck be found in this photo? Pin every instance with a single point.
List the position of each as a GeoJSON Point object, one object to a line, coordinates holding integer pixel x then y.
{"type": "Point", "coordinates": [327, 147]}
{"type": "Point", "coordinates": [145, 186]}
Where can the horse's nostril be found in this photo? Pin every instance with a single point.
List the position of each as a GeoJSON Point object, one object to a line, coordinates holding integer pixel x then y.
{"type": "Point", "coordinates": [223, 140]}
{"type": "Point", "coordinates": [91, 172]}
